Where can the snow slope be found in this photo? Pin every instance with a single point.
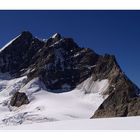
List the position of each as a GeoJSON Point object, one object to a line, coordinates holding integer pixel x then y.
{"type": "Point", "coordinates": [124, 123]}
{"type": "Point", "coordinates": [46, 106]}
{"type": "Point", "coordinates": [50, 111]}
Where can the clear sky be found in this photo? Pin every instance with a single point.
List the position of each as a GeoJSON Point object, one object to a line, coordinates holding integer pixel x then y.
{"type": "Point", "coordinates": [114, 32]}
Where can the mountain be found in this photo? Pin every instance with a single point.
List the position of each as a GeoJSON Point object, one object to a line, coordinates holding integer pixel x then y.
{"type": "Point", "coordinates": [16, 56]}
{"type": "Point", "coordinates": [56, 79]}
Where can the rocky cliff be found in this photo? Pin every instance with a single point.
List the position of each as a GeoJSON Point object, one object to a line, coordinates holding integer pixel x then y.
{"type": "Point", "coordinates": [62, 65]}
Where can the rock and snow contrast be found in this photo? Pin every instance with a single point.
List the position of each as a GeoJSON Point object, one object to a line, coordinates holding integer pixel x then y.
{"type": "Point", "coordinates": [47, 106]}
{"type": "Point", "coordinates": [53, 81]}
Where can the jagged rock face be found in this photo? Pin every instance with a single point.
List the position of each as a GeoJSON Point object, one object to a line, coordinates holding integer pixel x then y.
{"type": "Point", "coordinates": [19, 99]}
{"type": "Point", "coordinates": [123, 99]}
{"type": "Point", "coordinates": [62, 65]}
{"type": "Point", "coordinates": [17, 56]}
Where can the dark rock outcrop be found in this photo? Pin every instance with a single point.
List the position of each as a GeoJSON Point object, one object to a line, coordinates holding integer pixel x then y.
{"type": "Point", "coordinates": [19, 99]}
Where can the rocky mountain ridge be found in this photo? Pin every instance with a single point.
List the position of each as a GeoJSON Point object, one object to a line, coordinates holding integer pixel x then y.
{"type": "Point", "coordinates": [62, 65]}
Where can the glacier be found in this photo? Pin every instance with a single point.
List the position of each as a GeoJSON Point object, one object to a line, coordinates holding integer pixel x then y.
{"type": "Point", "coordinates": [46, 106]}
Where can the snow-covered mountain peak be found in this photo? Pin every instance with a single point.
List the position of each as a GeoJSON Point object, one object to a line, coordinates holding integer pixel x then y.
{"type": "Point", "coordinates": [59, 65]}
{"type": "Point", "coordinates": [25, 35]}
{"type": "Point", "coordinates": [56, 35]}
{"type": "Point", "coordinates": [9, 43]}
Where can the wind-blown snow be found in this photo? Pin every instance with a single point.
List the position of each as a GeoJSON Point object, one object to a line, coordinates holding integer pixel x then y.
{"type": "Point", "coordinates": [124, 123]}
{"type": "Point", "coordinates": [5, 46]}
{"type": "Point", "coordinates": [54, 35]}
{"type": "Point", "coordinates": [46, 106]}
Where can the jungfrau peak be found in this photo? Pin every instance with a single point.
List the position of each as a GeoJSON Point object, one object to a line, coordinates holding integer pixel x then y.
{"type": "Point", "coordinates": [44, 79]}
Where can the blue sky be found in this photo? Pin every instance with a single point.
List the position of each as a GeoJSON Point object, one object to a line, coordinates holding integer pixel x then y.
{"type": "Point", "coordinates": [114, 32]}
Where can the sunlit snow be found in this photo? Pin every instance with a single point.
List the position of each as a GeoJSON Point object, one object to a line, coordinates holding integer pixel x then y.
{"type": "Point", "coordinates": [46, 106]}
